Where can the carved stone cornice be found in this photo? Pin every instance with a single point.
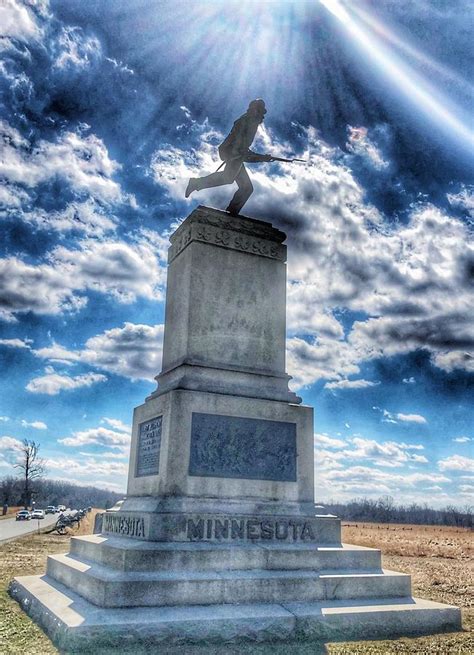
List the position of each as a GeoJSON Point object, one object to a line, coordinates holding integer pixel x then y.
{"type": "Point", "coordinates": [237, 233]}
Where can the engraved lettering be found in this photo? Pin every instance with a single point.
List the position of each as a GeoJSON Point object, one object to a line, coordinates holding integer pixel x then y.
{"type": "Point", "coordinates": [195, 529]}
{"type": "Point", "coordinates": [209, 528]}
{"type": "Point", "coordinates": [221, 529]}
{"type": "Point", "coordinates": [148, 447]}
{"type": "Point", "coordinates": [307, 532]}
{"type": "Point", "coordinates": [281, 530]}
{"type": "Point", "coordinates": [267, 530]}
{"type": "Point", "coordinates": [237, 529]}
{"type": "Point", "coordinates": [295, 529]}
{"type": "Point", "coordinates": [252, 529]}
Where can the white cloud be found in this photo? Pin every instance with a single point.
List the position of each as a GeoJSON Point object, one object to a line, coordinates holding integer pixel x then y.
{"type": "Point", "coordinates": [87, 467]}
{"type": "Point", "coordinates": [389, 417]}
{"type": "Point", "coordinates": [52, 383]}
{"type": "Point", "coordinates": [9, 443]}
{"type": "Point", "coordinates": [454, 360]}
{"type": "Point", "coordinates": [4, 419]}
{"type": "Point", "coordinates": [387, 453]}
{"type": "Point", "coordinates": [132, 350]}
{"type": "Point", "coordinates": [410, 380]}
{"type": "Point", "coordinates": [17, 21]}
{"type": "Point", "coordinates": [76, 50]}
{"type": "Point", "coordinates": [411, 418]}
{"type": "Point", "coordinates": [351, 384]}
{"type": "Point", "coordinates": [88, 217]}
{"type": "Point", "coordinates": [100, 436]}
{"type": "Point", "coordinates": [37, 425]}
{"type": "Point", "coordinates": [124, 271]}
{"type": "Point", "coordinates": [462, 439]}
{"type": "Point", "coordinates": [74, 158]}
{"type": "Point", "coordinates": [118, 425]}
{"type": "Point", "coordinates": [16, 343]}
{"type": "Point", "coordinates": [328, 442]}
{"type": "Point", "coordinates": [456, 463]}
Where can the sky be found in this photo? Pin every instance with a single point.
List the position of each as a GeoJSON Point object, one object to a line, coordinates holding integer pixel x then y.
{"type": "Point", "coordinates": [107, 108]}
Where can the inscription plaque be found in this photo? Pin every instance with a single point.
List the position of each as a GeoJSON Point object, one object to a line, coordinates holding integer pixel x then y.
{"type": "Point", "coordinates": [235, 447]}
{"type": "Point", "coordinates": [148, 448]}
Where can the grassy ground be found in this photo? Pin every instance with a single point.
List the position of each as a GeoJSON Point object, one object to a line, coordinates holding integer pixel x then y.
{"type": "Point", "coordinates": [439, 560]}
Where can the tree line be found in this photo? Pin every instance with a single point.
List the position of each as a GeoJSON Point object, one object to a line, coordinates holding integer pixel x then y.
{"type": "Point", "coordinates": [31, 486]}
{"type": "Point", "coordinates": [384, 510]}
{"type": "Point", "coordinates": [46, 492]}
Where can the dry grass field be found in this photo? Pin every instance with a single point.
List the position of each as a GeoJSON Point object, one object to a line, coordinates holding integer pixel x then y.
{"type": "Point", "coordinates": [439, 560]}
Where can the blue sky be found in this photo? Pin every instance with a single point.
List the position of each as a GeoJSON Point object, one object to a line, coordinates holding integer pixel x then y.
{"type": "Point", "coordinates": [108, 107]}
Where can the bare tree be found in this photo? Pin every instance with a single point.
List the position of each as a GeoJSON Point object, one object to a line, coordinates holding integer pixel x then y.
{"type": "Point", "coordinates": [31, 467]}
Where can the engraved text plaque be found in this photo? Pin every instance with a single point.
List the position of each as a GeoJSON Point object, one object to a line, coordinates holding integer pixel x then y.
{"type": "Point", "coordinates": [148, 449]}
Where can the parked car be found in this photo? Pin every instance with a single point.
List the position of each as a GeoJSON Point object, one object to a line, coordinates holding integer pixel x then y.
{"type": "Point", "coordinates": [51, 509]}
{"type": "Point", "coordinates": [23, 515]}
{"type": "Point", "coordinates": [61, 508]}
{"type": "Point", "coordinates": [38, 514]}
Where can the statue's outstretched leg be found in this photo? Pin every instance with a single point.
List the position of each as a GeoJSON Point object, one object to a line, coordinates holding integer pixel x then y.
{"type": "Point", "coordinates": [242, 194]}
{"type": "Point", "coordinates": [227, 176]}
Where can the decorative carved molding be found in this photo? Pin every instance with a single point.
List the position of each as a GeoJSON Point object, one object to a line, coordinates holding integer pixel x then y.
{"type": "Point", "coordinates": [206, 232]}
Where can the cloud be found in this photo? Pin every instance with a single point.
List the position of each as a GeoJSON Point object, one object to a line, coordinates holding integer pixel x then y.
{"type": "Point", "coordinates": [410, 380]}
{"type": "Point", "coordinates": [37, 425]}
{"type": "Point", "coordinates": [16, 343]}
{"type": "Point", "coordinates": [53, 383]}
{"type": "Point", "coordinates": [18, 22]}
{"type": "Point", "coordinates": [389, 417]}
{"type": "Point", "coordinates": [462, 439]}
{"type": "Point", "coordinates": [456, 463]}
{"type": "Point", "coordinates": [351, 384]}
{"type": "Point", "coordinates": [78, 160]}
{"type": "Point", "coordinates": [387, 453]}
{"type": "Point", "coordinates": [328, 442]}
{"type": "Point", "coordinates": [117, 425]}
{"type": "Point", "coordinates": [9, 443]}
{"type": "Point", "coordinates": [99, 436]}
{"type": "Point", "coordinates": [132, 350]}
{"type": "Point", "coordinates": [411, 418]}
{"type": "Point", "coordinates": [124, 271]}
{"type": "Point", "coordinates": [87, 467]}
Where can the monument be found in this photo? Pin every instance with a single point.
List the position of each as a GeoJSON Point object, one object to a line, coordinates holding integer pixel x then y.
{"type": "Point", "coordinates": [219, 540]}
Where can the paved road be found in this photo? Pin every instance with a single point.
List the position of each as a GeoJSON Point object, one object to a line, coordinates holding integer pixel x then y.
{"type": "Point", "coordinates": [11, 529]}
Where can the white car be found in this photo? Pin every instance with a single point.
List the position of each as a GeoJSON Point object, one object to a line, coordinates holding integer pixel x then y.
{"type": "Point", "coordinates": [38, 514]}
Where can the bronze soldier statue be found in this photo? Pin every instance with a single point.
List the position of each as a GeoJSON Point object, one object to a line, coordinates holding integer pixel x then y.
{"type": "Point", "coordinates": [234, 151]}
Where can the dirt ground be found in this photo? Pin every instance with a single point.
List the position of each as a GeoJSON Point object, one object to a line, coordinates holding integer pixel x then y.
{"type": "Point", "coordinates": [439, 560]}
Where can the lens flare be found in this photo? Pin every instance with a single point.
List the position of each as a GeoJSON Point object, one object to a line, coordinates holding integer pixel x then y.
{"type": "Point", "coordinates": [428, 100]}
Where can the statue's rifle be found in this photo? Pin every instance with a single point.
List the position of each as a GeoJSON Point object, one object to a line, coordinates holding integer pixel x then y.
{"type": "Point", "coordinates": [272, 159]}
{"type": "Point", "coordinates": [287, 160]}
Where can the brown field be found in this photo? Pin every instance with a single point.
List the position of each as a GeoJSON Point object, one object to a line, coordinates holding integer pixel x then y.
{"type": "Point", "coordinates": [439, 560]}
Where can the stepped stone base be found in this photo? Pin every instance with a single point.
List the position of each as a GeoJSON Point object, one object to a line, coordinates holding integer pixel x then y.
{"type": "Point", "coordinates": [77, 625]}
{"type": "Point", "coordinates": [115, 592]}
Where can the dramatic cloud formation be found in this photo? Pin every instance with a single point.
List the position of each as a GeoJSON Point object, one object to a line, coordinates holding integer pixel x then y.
{"type": "Point", "coordinates": [99, 134]}
{"type": "Point", "coordinates": [133, 351]}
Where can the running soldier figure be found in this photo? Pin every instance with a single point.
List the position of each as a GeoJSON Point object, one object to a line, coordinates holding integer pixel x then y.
{"type": "Point", "coordinates": [234, 151]}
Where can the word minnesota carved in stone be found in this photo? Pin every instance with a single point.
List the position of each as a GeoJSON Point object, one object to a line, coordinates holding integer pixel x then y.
{"type": "Point", "coordinates": [148, 448]}
{"type": "Point", "coordinates": [126, 525]}
{"type": "Point", "coordinates": [235, 447]}
{"type": "Point", "coordinates": [249, 528]}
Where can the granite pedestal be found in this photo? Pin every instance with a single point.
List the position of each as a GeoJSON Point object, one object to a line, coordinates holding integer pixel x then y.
{"type": "Point", "coordinates": [219, 540]}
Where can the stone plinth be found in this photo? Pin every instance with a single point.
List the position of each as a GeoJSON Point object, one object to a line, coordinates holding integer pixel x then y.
{"type": "Point", "coordinates": [219, 540]}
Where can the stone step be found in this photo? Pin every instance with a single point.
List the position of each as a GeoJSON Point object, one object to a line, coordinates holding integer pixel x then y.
{"type": "Point", "coordinates": [110, 588]}
{"type": "Point", "coordinates": [76, 625]}
{"type": "Point", "coordinates": [126, 555]}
